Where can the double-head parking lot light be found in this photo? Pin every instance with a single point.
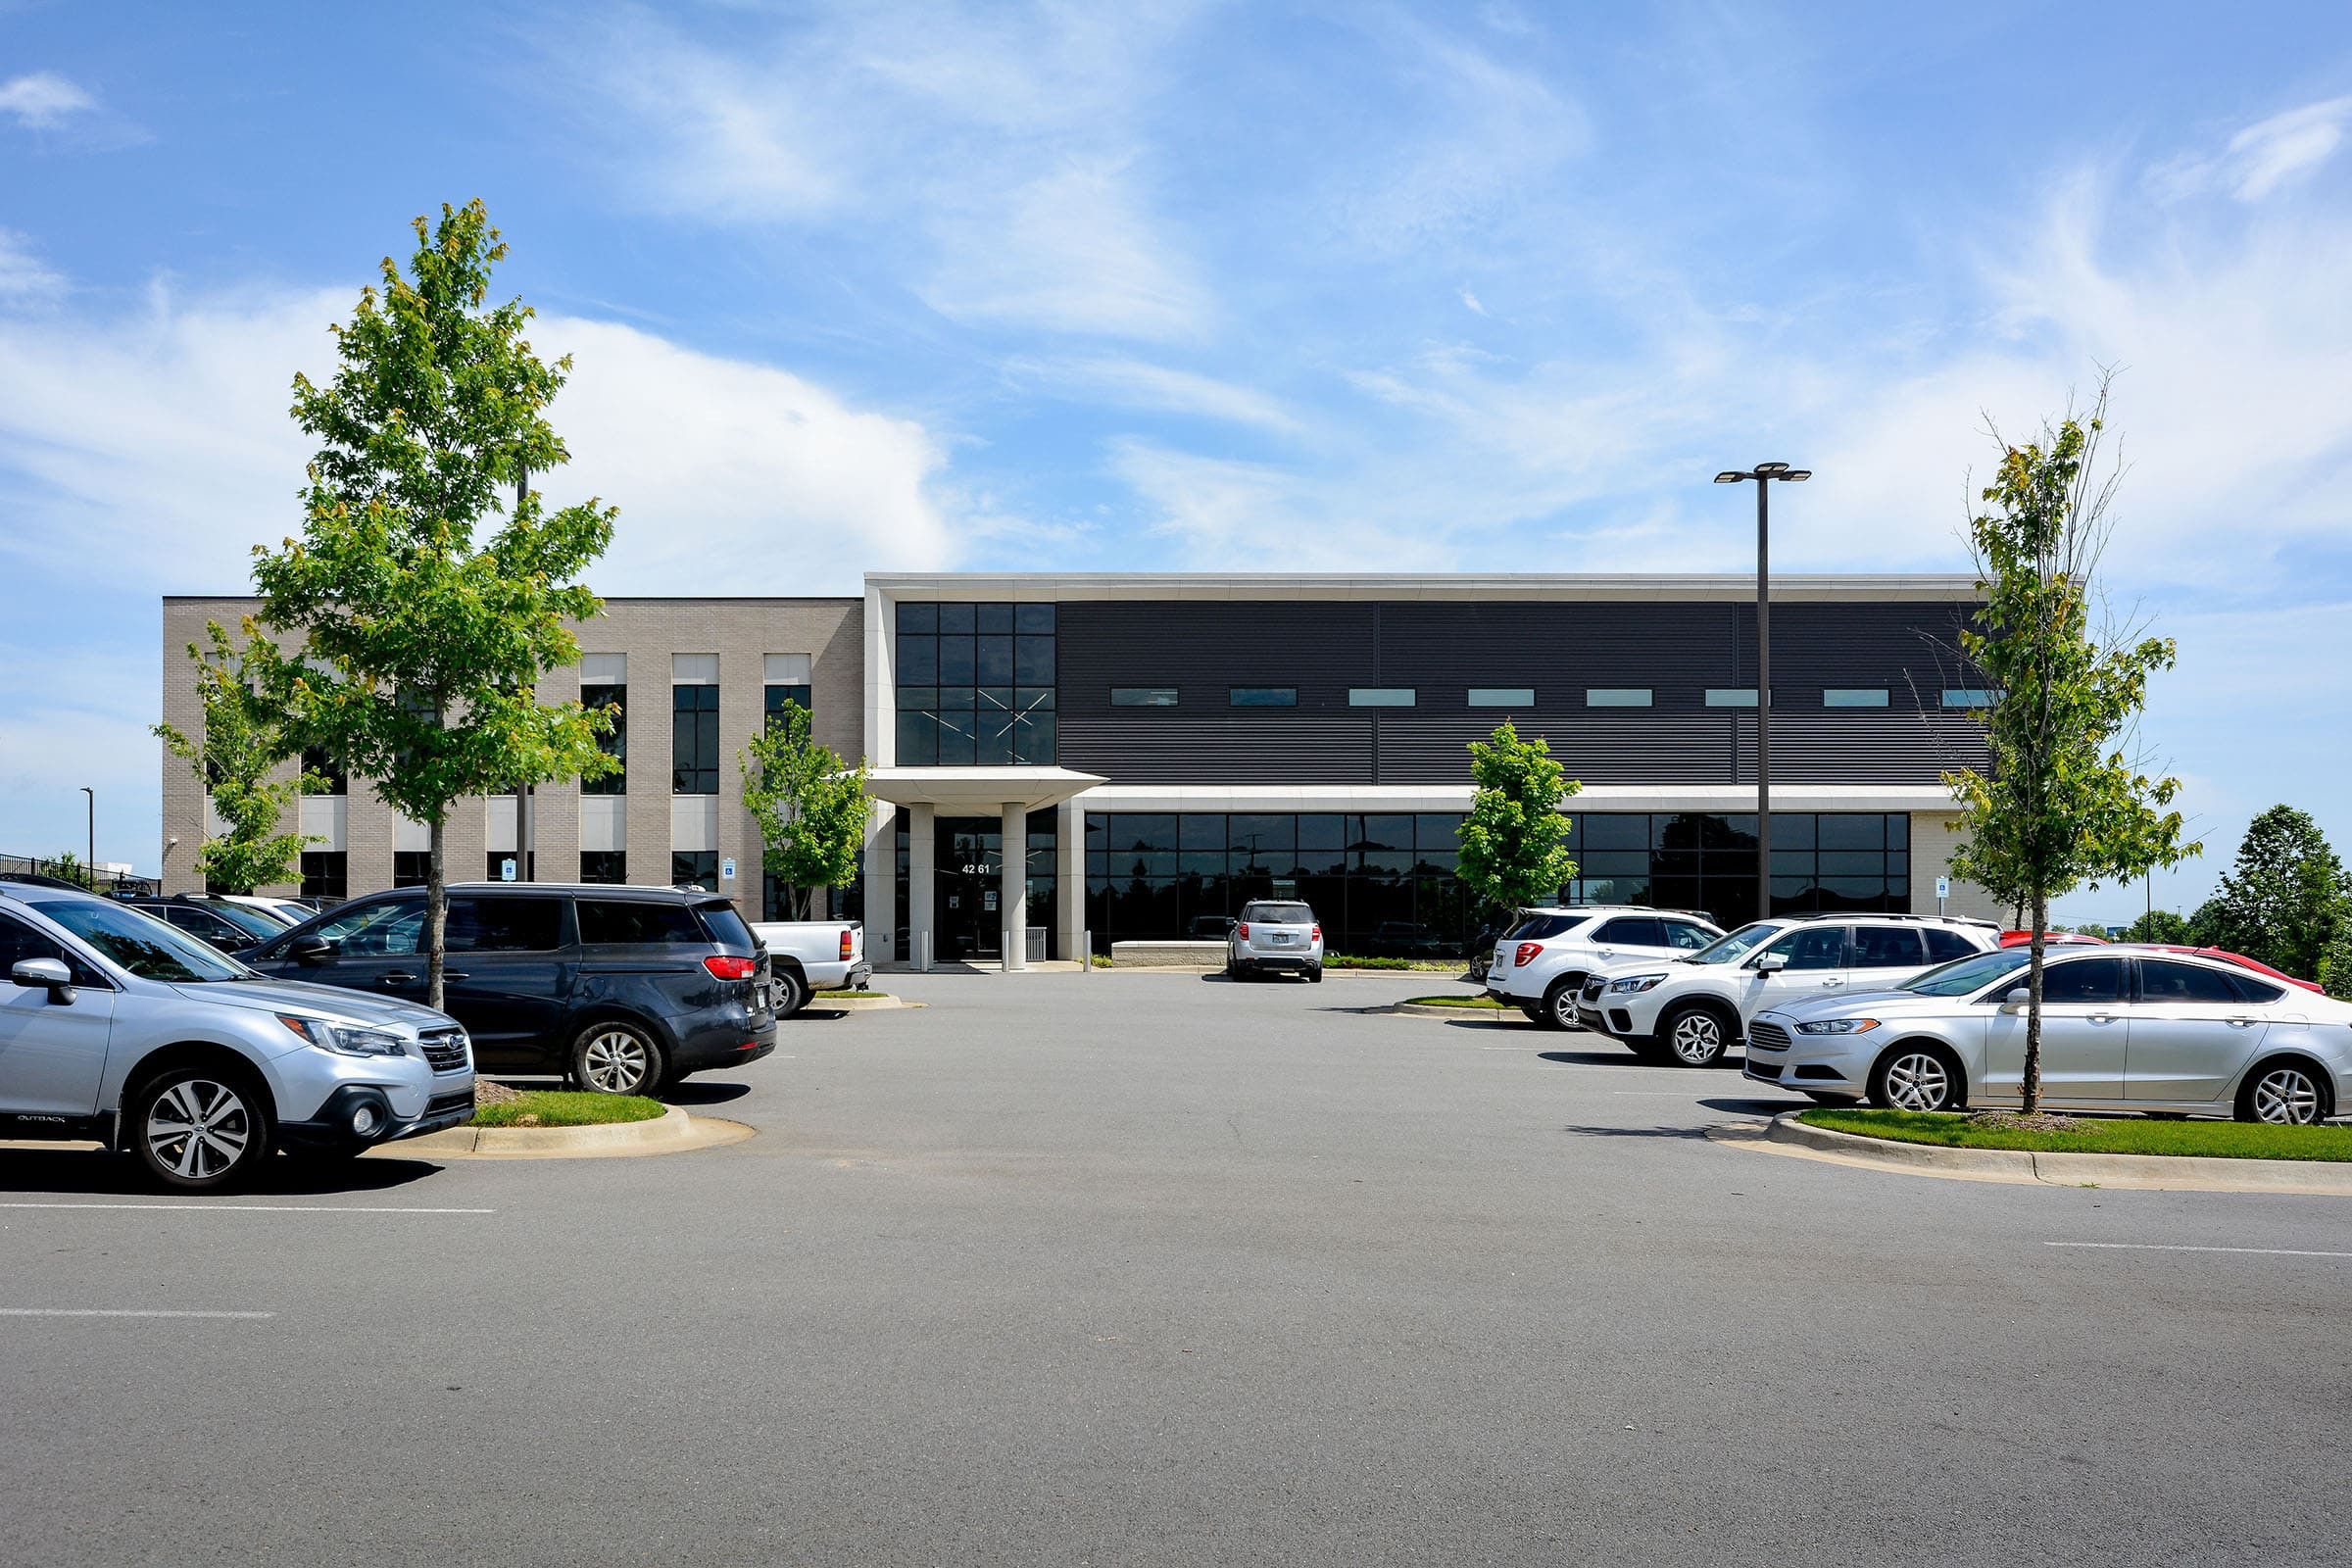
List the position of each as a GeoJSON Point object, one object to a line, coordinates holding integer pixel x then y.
{"type": "Point", "coordinates": [1763, 473]}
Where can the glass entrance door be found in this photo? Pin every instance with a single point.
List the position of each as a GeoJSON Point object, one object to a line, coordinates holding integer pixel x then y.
{"type": "Point", "coordinates": [970, 866]}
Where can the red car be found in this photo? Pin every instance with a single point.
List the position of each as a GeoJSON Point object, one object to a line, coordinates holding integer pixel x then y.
{"type": "Point", "coordinates": [2053, 939]}
{"type": "Point", "coordinates": [2239, 959]}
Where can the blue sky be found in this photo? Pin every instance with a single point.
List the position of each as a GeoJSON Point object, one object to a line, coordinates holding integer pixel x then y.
{"type": "Point", "coordinates": [1154, 287]}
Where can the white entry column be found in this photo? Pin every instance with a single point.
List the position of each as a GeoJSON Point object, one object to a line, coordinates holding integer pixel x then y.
{"type": "Point", "coordinates": [1012, 897]}
{"type": "Point", "coordinates": [920, 885]}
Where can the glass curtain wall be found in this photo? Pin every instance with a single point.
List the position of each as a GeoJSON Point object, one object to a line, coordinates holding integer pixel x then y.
{"type": "Point", "coordinates": [975, 685]}
{"type": "Point", "coordinates": [1383, 885]}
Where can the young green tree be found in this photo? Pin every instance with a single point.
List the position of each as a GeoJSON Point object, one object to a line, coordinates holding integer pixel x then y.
{"type": "Point", "coordinates": [2061, 804]}
{"type": "Point", "coordinates": [810, 807]}
{"type": "Point", "coordinates": [1513, 842]}
{"type": "Point", "coordinates": [2285, 898]}
{"type": "Point", "coordinates": [246, 734]}
{"type": "Point", "coordinates": [420, 643]}
{"type": "Point", "coordinates": [2160, 925]}
{"type": "Point", "coordinates": [2335, 962]}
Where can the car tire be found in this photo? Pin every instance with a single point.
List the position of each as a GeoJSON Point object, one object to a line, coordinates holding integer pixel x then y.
{"type": "Point", "coordinates": [1560, 1005]}
{"type": "Point", "coordinates": [1918, 1077]}
{"type": "Point", "coordinates": [791, 991]}
{"type": "Point", "coordinates": [198, 1129]}
{"type": "Point", "coordinates": [1315, 976]}
{"type": "Point", "coordinates": [1837, 1102]}
{"type": "Point", "coordinates": [1693, 1037]}
{"type": "Point", "coordinates": [2285, 1094]}
{"type": "Point", "coordinates": [613, 1057]}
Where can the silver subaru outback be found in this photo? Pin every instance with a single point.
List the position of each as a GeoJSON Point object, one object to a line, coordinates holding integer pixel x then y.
{"type": "Point", "coordinates": [118, 1027]}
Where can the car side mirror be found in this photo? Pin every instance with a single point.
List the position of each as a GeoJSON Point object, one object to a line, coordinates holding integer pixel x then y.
{"type": "Point", "coordinates": [2017, 998]}
{"type": "Point", "coordinates": [49, 973]}
{"type": "Point", "coordinates": [1771, 962]}
{"type": "Point", "coordinates": [311, 950]}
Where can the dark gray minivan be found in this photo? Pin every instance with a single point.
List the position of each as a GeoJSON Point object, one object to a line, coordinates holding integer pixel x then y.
{"type": "Point", "coordinates": [621, 989]}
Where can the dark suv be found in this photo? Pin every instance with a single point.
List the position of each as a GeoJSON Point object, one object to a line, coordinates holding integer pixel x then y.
{"type": "Point", "coordinates": [623, 989]}
{"type": "Point", "coordinates": [230, 927]}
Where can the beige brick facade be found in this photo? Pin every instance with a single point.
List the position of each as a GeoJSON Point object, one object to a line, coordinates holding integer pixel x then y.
{"type": "Point", "coordinates": [742, 632]}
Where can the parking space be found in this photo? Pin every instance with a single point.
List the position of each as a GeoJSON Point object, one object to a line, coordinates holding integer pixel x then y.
{"type": "Point", "coordinates": [1156, 1268]}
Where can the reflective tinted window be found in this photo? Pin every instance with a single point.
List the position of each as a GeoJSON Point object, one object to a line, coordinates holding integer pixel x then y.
{"type": "Point", "coordinates": [1635, 931]}
{"type": "Point", "coordinates": [725, 925]}
{"type": "Point", "coordinates": [635, 920]}
{"type": "Point", "coordinates": [1888, 947]}
{"type": "Point", "coordinates": [19, 941]}
{"type": "Point", "coordinates": [2162, 981]}
{"type": "Point", "coordinates": [1971, 973]}
{"type": "Point", "coordinates": [1817, 947]}
{"type": "Point", "coordinates": [388, 930]}
{"type": "Point", "coordinates": [2083, 980]}
{"type": "Point", "coordinates": [504, 925]}
{"type": "Point", "coordinates": [1536, 927]}
{"type": "Point", "coordinates": [250, 920]}
{"type": "Point", "coordinates": [1736, 945]}
{"type": "Point", "coordinates": [1944, 946]}
{"type": "Point", "coordinates": [1687, 937]}
{"type": "Point", "coordinates": [1279, 913]}
{"type": "Point", "coordinates": [146, 947]}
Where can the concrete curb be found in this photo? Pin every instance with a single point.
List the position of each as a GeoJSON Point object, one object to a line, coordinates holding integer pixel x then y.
{"type": "Point", "coordinates": [823, 1003]}
{"type": "Point", "coordinates": [670, 1132]}
{"type": "Point", "coordinates": [2148, 1172]}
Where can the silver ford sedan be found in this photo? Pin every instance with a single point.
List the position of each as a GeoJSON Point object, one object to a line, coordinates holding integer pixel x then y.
{"type": "Point", "coordinates": [119, 1027]}
{"type": "Point", "coordinates": [2124, 1029]}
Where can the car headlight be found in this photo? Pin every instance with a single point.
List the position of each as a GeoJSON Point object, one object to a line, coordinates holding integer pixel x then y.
{"type": "Point", "coordinates": [1633, 984]}
{"type": "Point", "coordinates": [344, 1039]}
{"type": "Point", "coordinates": [1838, 1026]}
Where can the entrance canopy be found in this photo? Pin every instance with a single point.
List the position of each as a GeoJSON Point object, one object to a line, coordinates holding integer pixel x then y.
{"type": "Point", "coordinates": [978, 791]}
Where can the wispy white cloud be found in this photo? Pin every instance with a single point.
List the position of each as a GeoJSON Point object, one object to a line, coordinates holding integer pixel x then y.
{"type": "Point", "coordinates": [43, 100]}
{"type": "Point", "coordinates": [1472, 301]}
{"type": "Point", "coordinates": [1132, 383]}
{"type": "Point", "coordinates": [22, 275]}
{"type": "Point", "coordinates": [2263, 157]}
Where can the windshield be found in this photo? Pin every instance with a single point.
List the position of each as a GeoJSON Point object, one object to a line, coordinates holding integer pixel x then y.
{"type": "Point", "coordinates": [1962, 976]}
{"type": "Point", "coordinates": [1740, 943]}
{"type": "Point", "coordinates": [248, 920]}
{"type": "Point", "coordinates": [1536, 927]}
{"type": "Point", "coordinates": [140, 943]}
{"type": "Point", "coordinates": [1279, 913]}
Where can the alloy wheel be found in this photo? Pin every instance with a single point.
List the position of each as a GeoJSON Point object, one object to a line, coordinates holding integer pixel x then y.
{"type": "Point", "coordinates": [2286, 1095]}
{"type": "Point", "coordinates": [1918, 1081]}
{"type": "Point", "coordinates": [615, 1062]}
{"type": "Point", "coordinates": [198, 1128]}
{"type": "Point", "coordinates": [1696, 1038]}
{"type": "Point", "coordinates": [1563, 1005]}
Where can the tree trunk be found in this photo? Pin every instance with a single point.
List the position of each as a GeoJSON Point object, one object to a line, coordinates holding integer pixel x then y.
{"type": "Point", "coordinates": [437, 913]}
{"type": "Point", "coordinates": [2031, 1085]}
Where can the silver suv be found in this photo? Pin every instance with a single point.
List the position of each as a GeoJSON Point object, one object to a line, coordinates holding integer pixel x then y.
{"type": "Point", "coordinates": [1274, 935]}
{"type": "Point", "coordinates": [119, 1027]}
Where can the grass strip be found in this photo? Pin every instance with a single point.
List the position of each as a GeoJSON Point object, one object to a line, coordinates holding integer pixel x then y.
{"type": "Point", "coordinates": [2123, 1135]}
{"type": "Point", "coordinates": [567, 1107]}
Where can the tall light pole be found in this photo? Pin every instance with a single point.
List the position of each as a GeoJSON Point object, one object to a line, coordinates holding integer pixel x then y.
{"type": "Point", "coordinates": [1764, 474]}
{"type": "Point", "coordinates": [90, 867]}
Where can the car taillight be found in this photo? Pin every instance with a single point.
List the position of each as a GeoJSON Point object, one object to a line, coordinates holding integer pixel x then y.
{"type": "Point", "coordinates": [844, 944]}
{"type": "Point", "coordinates": [1314, 933]}
{"type": "Point", "coordinates": [1526, 953]}
{"type": "Point", "coordinates": [1241, 930]}
{"type": "Point", "coordinates": [725, 967]}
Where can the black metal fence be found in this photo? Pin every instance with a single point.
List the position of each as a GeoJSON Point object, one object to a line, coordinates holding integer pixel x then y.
{"type": "Point", "coordinates": [62, 872]}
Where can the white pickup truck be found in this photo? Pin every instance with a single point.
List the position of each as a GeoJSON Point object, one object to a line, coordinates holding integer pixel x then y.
{"type": "Point", "coordinates": [806, 956]}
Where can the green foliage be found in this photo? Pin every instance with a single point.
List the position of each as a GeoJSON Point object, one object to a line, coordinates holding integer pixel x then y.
{"type": "Point", "coordinates": [567, 1107]}
{"type": "Point", "coordinates": [2285, 900]}
{"type": "Point", "coordinates": [2162, 925]}
{"type": "Point", "coordinates": [2335, 962]}
{"type": "Point", "coordinates": [810, 805]}
{"type": "Point", "coordinates": [246, 734]}
{"type": "Point", "coordinates": [67, 867]}
{"type": "Point", "coordinates": [1513, 840]}
{"type": "Point", "coordinates": [2215, 1140]}
{"type": "Point", "coordinates": [2062, 806]}
{"type": "Point", "coordinates": [420, 645]}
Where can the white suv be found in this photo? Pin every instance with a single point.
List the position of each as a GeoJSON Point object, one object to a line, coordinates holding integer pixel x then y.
{"type": "Point", "coordinates": [1542, 963]}
{"type": "Point", "coordinates": [1689, 1013]}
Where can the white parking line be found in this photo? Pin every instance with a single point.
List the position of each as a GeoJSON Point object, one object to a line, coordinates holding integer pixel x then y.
{"type": "Point", "coordinates": [253, 1206]}
{"type": "Point", "coordinates": [112, 1311]}
{"type": "Point", "coordinates": [2160, 1246]}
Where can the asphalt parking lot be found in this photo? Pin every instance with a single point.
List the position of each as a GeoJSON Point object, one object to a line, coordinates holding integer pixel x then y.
{"type": "Point", "coordinates": [1159, 1269]}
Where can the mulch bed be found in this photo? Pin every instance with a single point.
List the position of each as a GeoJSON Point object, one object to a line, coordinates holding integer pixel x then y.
{"type": "Point", "coordinates": [2042, 1122]}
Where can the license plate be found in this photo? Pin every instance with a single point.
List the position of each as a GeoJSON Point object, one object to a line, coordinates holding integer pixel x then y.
{"type": "Point", "coordinates": [1283, 939]}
